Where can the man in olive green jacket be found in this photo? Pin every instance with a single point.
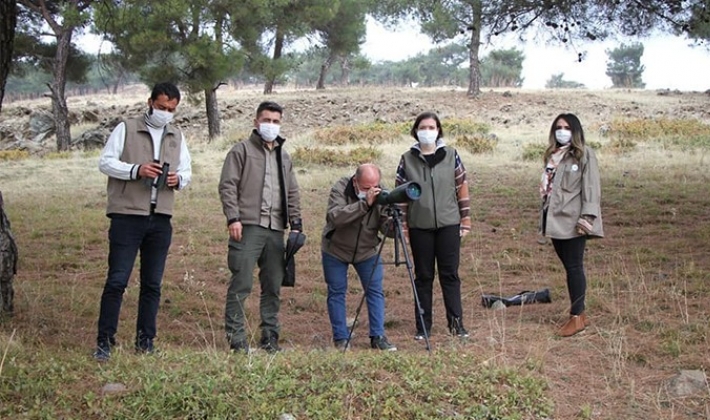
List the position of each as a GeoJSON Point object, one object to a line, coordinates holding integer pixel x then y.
{"type": "Point", "coordinates": [350, 237]}
{"type": "Point", "coordinates": [260, 199]}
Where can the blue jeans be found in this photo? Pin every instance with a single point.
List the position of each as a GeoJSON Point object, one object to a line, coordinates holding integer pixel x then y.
{"type": "Point", "coordinates": [336, 277]}
{"type": "Point", "coordinates": [127, 235]}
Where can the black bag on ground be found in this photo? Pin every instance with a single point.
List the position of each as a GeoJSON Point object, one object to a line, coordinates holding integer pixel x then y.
{"type": "Point", "coordinates": [525, 297]}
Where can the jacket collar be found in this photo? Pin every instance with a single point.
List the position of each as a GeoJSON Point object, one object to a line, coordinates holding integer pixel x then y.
{"type": "Point", "coordinates": [439, 152]}
{"type": "Point", "coordinates": [350, 189]}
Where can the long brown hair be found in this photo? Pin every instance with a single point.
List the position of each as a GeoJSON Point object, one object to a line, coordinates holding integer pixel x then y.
{"type": "Point", "coordinates": [576, 144]}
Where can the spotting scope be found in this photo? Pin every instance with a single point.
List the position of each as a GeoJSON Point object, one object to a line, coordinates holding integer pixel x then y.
{"type": "Point", "coordinates": [409, 191]}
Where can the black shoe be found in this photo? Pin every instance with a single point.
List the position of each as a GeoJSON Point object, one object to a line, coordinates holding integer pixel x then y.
{"type": "Point", "coordinates": [381, 343]}
{"type": "Point", "coordinates": [419, 336]}
{"type": "Point", "coordinates": [270, 342]}
{"type": "Point", "coordinates": [144, 345]}
{"type": "Point", "coordinates": [457, 328]}
{"type": "Point", "coordinates": [103, 351]}
{"type": "Point", "coordinates": [341, 344]}
{"type": "Point", "coordinates": [239, 347]}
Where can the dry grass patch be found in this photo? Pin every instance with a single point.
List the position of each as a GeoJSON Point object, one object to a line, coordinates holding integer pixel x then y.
{"type": "Point", "coordinates": [334, 157]}
{"type": "Point", "coordinates": [369, 134]}
{"type": "Point", "coordinates": [683, 133]}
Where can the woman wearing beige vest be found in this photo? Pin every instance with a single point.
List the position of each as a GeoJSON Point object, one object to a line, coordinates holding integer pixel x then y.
{"type": "Point", "coordinates": [571, 213]}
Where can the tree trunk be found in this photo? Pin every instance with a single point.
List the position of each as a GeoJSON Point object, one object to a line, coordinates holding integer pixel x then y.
{"type": "Point", "coordinates": [345, 71]}
{"type": "Point", "coordinates": [8, 262]}
{"type": "Point", "coordinates": [212, 108]}
{"type": "Point", "coordinates": [58, 87]}
{"type": "Point", "coordinates": [278, 50]}
{"type": "Point", "coordinates": [8, 21]}
{"type": "Point", "coordinates": [117, 82]}
{"type": "Point", "coordinates": [324, 72]}
{"type": "Point", "coordinates": [474, 76]}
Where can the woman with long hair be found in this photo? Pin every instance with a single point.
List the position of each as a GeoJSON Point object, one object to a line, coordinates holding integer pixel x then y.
{"type": "Point", "coordinates": [571, 208]}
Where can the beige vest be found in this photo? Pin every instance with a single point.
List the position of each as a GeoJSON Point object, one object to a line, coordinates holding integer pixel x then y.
{"type": "Point", "coordinates": [133, 197]}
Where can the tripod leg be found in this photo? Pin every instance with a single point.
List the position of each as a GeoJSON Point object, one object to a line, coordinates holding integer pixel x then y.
{"type": "Point", "coordinates": [400, 237]}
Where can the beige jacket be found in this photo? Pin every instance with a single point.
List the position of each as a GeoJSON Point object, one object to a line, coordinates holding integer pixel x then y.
{"type": "Point", "coordinates": [576, 191]}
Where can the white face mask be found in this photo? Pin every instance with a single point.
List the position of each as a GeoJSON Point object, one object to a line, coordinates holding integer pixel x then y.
{"type": "Point", "coordinates": [563, 136]}
{"type": "Point", "coordinates": [269, 131]}
{"type": "Point", "coordinates": [361, 195]}
{"type": "Point", "coordinates": [159, 118]}
{"type": "Point", "coordinates": [427, 136]}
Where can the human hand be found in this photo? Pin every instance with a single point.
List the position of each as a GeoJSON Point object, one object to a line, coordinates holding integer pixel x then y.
{"type": "Point", "coordinates": [173, 180]}
{"type": "Point", "coordinates": [150, 170]}
{"type": "Point", "coordinates": [372, 194]}
{"type": "Point", "coordinates": [584, 226]}
{"type": "Point", "coordinates": [235, 231]}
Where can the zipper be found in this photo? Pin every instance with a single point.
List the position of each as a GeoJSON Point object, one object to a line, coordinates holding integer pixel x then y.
{"type": "Point", "coordinates": [433, 193]}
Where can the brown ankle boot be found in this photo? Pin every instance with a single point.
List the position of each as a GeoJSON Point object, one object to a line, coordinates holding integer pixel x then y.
{"type": "Point", "coordinates": [585, 320]}
{"type": "Point", "coordinates": [574, 325]}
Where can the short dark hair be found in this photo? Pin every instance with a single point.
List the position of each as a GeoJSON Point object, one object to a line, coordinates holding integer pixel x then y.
{"type": "Point", "coordinates": [269, 106]}
{"type": "Point", "coordinates": [165, 88]}
{"type": "Point", "coordinates": [425, 116]}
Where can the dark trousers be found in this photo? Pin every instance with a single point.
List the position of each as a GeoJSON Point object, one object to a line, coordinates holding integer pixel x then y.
{"type": "Point", "coordinates": [127, 235]}
{"type": "Point", "coordinates": [571, 253]}
{"type": "Point", "coordinates": [264, 247]}
{"type": "Point", "coordinates": [441, 246]}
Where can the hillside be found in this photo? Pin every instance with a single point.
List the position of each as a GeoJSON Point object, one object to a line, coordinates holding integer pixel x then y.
{"type": "Point", "coordinates": [649, 278]}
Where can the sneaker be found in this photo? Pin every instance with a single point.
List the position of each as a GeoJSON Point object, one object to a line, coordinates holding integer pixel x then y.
{"type": "Point", "coordinates": [103, 351]}
{"type": "Point", "coordinates": [144, 345]}
{"type": "Point", "coordinates": [270, 342]}
{"type": "Point", "coordinates": [381, 343]}
{"type": "Point", "coordinates": [341, 344]}
{"type": "Point", "coordinates": [239, 347]}
{"type": "Point", "coordinates": [457, 328]}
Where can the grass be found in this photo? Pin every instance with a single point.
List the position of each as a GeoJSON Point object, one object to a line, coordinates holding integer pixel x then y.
{"type": "Point", "coordinates": [314, 385]}
{"type": "Point", "coordinates": [647, 300]}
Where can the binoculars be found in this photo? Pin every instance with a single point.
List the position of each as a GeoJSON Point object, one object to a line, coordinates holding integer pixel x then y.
{"type": "Point", "coordinates": [161, 180]}
{"type": "Point", "coordinates": [522, 298]}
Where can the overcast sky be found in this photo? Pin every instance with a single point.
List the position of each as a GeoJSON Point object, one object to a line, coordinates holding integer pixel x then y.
{"type": "Point", "coordinates": [669, 61]}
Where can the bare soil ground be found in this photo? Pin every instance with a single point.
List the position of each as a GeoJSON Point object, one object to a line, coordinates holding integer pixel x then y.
{"type": "Point", "coordinates": [648, 279]}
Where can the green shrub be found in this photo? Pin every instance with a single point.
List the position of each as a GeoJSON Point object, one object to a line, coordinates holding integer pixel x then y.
{"type": "Point", "coordinates": [458, 127]}
{"type": "Point", "coordinates": [594, 145]}
{"type": "Point", "coordinates": [534, 151]}
{"type": "Point", "coordinates": [476, 143]}
{"type": "Point", "coordinates": [332, 157]}
{"type": "Point", "coordinates": [621, 145]}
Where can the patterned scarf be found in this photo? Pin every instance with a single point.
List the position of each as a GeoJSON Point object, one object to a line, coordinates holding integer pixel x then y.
{"type": "Point", "coordinates": [549, 173]}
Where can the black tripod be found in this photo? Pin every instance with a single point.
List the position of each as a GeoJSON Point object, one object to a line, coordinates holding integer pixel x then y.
{"type": "Point", "coordinates": [395, 216]}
